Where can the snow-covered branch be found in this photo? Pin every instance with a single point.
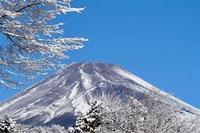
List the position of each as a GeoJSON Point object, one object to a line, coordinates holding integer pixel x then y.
{"type": "Point", "coordinates": [28, 46]}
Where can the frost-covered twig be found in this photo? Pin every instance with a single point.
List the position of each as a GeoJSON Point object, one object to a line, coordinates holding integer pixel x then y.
{"type": "Point", "coordinates": [29, 44]}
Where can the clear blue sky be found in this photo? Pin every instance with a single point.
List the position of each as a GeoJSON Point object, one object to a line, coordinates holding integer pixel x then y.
{"type": "Point", "coordinates": [157, 40]}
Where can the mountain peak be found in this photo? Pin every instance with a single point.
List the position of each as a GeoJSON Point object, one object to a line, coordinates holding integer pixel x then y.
{"type": "Point", "coordinates": [71, 90]}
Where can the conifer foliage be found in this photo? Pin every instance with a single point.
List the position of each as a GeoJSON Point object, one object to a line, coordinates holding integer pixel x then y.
{"type": "Point", "coordinates": [7, 125]}
{"type": "Point", "coordinates": [89, 122]}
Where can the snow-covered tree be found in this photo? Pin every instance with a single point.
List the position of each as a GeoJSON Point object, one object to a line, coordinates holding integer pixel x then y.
{"type": "Point", "coordinates": [124, 118]}
{"type": "Point", "coordinates": [44, 129]}
{"type": "Point", "coordinates": [90, 122]}
{"type": "Point", "coordinates": [30, 41]}
{"type": "Point", "coordinates": [7, 125]}
{"type": "Point", "coordinates": [136, 117]}
{"type": "Point", "coordinates": [40, 129]}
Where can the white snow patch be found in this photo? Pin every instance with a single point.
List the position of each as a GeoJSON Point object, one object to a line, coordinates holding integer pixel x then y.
{"type": "Point", "coordinates": [80, 105]}
{"type": "Point", "coordinates": [136, 79]}
{"type": "Point", "coordinates": [74, 91]}
{"type": "Point", "coordinates": [101, 84]}
{"type": "Point", "coordinates": [87, 83]}
{"type": "Point", "coordinates": [28, 114]}
{"type": "Point", "coordinates": [55, 108]}
{"type": "Point", "coordinates": [51, 111]}
{"type": "Point", "coordinates": [99, 75]}
{"type": "Point", "coordinates": [63, 83]}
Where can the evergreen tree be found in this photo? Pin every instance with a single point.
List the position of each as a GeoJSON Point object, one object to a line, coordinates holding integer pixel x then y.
{"type": "Point", "coordinates": [89, 122]}
{"type": "Point", "coordinates": [7, 125]}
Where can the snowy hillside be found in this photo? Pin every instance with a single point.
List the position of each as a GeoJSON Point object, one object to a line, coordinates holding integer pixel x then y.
{"type": "Point", "coordinates": [58, 98]}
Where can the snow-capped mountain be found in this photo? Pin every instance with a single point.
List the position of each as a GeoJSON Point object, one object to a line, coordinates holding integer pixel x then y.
{"type": "Point", "coordinates": [58, 98]}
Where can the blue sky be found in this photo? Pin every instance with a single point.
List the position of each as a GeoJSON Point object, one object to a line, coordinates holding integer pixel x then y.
{"type": "Point", "coordinates": [157, 40]}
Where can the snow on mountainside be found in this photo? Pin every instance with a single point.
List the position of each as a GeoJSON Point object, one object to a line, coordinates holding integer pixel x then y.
{"type": "Point", "coordinates": [58, 98]}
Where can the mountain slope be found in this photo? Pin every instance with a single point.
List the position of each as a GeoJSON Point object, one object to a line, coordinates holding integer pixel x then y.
{"type": "Point", "coordinates": [58, 98]}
